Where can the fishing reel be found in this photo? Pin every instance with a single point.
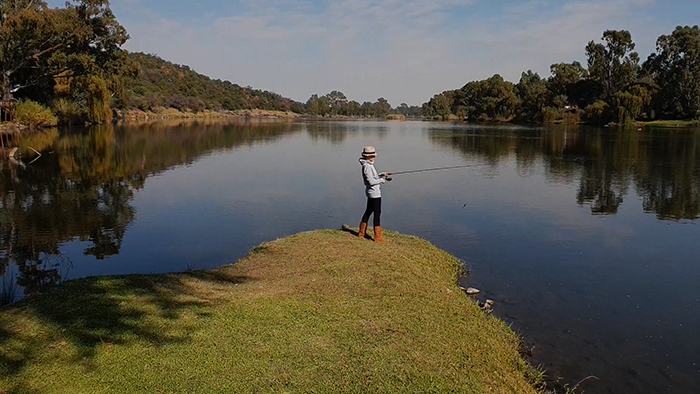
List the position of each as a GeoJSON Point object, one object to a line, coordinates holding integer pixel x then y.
{"type": "Point", "coordinates": [387, 177]}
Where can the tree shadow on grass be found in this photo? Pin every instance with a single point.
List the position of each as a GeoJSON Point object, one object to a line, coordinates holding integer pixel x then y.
{"type": "Point", "coordinates": [87, 314]}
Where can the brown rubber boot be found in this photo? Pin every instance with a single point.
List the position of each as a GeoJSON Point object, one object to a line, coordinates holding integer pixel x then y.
{"type": "Point", "coordinates": [363, 230]}
{"type": "Point", "coordinates": [378, 235]}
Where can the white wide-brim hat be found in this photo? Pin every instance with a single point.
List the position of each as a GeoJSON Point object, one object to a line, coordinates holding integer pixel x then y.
{"type": "Point", "coordinates": [369, 151]}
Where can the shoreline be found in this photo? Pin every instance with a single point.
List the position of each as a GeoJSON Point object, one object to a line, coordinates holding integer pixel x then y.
{"type": "Point", "coordinates": [310, 312]}
{"type": "Point", "coordinates": [130, 116]}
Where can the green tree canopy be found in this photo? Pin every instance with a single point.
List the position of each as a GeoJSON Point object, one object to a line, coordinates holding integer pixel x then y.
{"type": "Point", "coordinates": [493, 97]}
{"type": "Point", "coordinates": [39, 44]}
{"type": "Point", "coordinates": [441, 104]}
{"type": "Point", "coordinates": [565, 78]}
{"type": "Point", "coordinates": [675, 69]}
{"type": "Point", "coordinates": [614, 65]}
{"type": "Point", "coordinates": [383, 107]}
{"type": "Point", "coordinates": [533, 92]}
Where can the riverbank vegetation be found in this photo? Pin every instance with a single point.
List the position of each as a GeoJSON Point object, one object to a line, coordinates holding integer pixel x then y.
{"type": "Point", "coordinates": [316, 312]}
{"type": "Point", "coordinates": [33, 114]}
{"type": "Point", "coordinates": [614, 87]}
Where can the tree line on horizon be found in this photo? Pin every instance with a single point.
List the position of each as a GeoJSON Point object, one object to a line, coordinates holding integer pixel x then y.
{"type": "Point", "coordinates": [336, 104]}
{"type": "Point", "coordinates": [614, 87]}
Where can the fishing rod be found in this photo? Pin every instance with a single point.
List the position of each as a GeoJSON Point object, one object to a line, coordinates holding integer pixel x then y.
{"type": "Point", "coordinates": [389, 179]}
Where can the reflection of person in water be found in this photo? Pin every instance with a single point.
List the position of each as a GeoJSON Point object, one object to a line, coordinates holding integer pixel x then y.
{"type": "Point", "coordinates": [373, 182]}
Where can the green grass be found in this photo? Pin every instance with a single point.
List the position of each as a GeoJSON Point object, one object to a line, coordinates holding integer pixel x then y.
{"type": "Point", "coordinates": [670, 123]}
{"type": "Point", "coordinates": [321, 312]}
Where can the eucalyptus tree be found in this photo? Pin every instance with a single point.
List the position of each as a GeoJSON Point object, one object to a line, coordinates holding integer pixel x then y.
{"type": "Point", "coordinates": [614, 64]}
{"type": "Point", "coordinates": [79, 44]}
{"type": "Point", "coordinates": [675, 69]}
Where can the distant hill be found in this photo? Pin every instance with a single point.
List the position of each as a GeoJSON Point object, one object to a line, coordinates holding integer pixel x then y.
{"type": "Point", "coordinates": [164, 84]}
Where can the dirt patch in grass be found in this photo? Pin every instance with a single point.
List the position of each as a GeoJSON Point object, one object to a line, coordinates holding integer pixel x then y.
{"type": "Point", "coordinates": [316, 312]}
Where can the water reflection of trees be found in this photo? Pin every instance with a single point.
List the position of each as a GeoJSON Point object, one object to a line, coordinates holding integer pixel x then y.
{"type": "Point", "coordinates": [81, 188]}
{"type": "Point", "coordinates": [663, 168]}
{"type": "Point", "coordinates": [337, 132]}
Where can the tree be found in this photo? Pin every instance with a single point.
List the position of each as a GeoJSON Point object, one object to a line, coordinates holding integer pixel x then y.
{"type": "Point", "coordinates": [336, 102]}
{"type": "Point", "coordinates": [565, 77]}
{"type": "Point", "coordinates": [403, 109]}
{"type": "Point", "coordinates": [533, 93]}
{"type": "Point", "coordinates": [318, 106]}
{"type": "Point", "coordinates": [441, 104]}
{"type": "Point", "coordinates": [39, 44]}
{"type": "Point", "coordinates": [427, 110]}
{"type": "Point", "coordinates": [383, 107]}
{"type": "Point", "coordinates": [368, 110]}
{"type": "Point", "coordinates": [614, 65]}
{"type": "Point", "coordinates": [324, 106]}
{"type": "Point", "coordinates": [629, 106]}
{"type": "Point", "coordinates": [312, 105]}
{"type": "Point", "coordinates": [352, 108]}
{"type": "Point", "coordinates": [493, 97]}
{"type": "Point", "coordinates": [675, 69]}
{"type": "Point", "coordinates": [597, 111]}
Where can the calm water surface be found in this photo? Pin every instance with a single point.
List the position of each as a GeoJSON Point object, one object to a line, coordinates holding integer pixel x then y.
{"type": "Point", "coordinates": [587, 239]}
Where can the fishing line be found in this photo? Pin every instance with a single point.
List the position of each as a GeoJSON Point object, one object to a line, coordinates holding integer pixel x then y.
{"type": "Point", "coordinates": [438, 169]}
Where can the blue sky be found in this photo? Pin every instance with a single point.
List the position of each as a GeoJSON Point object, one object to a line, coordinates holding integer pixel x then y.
{"type": "Point", "coordinates": [405, 51]}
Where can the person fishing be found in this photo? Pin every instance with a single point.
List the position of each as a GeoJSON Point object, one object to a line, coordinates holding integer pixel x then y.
{"type": "Point", "coordinates": [373, 182]}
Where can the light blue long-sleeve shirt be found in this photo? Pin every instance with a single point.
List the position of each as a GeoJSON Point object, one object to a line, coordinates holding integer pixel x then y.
{"type": "Point", "coordinates": [373, 181]}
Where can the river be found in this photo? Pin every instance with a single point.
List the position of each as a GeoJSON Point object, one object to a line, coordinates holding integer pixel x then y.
{"type": "Point", "coordinates": [586, 238]}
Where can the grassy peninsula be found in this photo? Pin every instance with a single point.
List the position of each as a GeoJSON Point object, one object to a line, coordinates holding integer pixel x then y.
{"type": "Point", "coordinates": [316, 312]}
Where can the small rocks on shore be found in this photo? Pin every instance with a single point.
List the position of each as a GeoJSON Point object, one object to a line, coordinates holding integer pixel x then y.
{"type": "Point", "coordinates": [471, 290]}
{"type": "Point", "coordinates": [486, 305]}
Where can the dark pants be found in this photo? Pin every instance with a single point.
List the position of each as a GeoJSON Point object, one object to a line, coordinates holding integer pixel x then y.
{"type": "Point", "coordinates": [374, 205]}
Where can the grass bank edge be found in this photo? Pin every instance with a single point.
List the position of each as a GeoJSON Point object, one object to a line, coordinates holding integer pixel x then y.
{"type": "Point", "coordinates": [96, 320]}
{"type": "Point", "coordinates": [670, 124]}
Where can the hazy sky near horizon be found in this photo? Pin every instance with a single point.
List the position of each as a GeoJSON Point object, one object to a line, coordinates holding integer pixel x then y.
{"type": "Point", "coordinates": [403, 50]}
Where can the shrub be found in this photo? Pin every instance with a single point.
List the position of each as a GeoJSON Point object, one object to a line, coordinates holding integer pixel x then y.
{"type": "Point", "coordinates": [550, 115]}
{"type": "Point", "coordinates": [597, 112]}
{"type": "Point", "coordinates": [571, 117]}
{"type": "Point", "coordinates": [66, 111]}
{"type": "Point", "coordinates": [33, 114]}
